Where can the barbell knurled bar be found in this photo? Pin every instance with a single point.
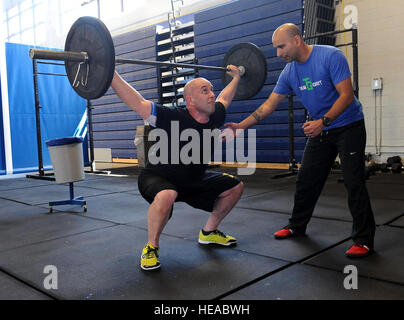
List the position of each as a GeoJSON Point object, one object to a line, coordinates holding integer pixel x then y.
{"type": "Point", "coordinates": [170, 64]}
{"type": "Point", "coordinates": [83, 57]}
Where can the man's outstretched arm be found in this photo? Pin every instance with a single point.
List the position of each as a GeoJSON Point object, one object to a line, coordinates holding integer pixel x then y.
{"type": "Point", "coordinates": [227, 94]}
{"type": "Point", "coordinates": [131, 97]}
{"type": "Point", "coordinates": [262, 112]}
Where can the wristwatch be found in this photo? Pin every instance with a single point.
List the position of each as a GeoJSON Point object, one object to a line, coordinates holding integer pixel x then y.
{"type": "Point", "coordinates": [326, 121]}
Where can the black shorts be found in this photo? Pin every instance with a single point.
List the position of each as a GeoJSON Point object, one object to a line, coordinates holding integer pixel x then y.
{"type": "Point", "coordinates": [200, 194]}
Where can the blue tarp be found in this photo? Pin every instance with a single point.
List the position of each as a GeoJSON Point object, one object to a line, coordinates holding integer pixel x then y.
{"type": "Point", "coordinates": [60, 115]}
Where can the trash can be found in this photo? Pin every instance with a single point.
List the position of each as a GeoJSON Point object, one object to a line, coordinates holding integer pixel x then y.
{"type": "Point", "coordinates": [67, 159]}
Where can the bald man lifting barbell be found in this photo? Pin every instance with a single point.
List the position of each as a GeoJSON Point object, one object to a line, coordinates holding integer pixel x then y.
{"type": "Point", "coordinates": [163, 184]}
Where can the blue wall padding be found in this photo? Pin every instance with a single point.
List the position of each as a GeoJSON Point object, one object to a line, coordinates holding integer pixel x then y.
{"type": "Point", "coordinates": [114, 124]}
{"type": "Point", "coordinates": [61, 111]}
{"type": "Point", "coordinates": [217, 30]}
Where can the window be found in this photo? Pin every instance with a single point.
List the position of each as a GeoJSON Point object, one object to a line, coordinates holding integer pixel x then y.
{"type": "Point", "coordinates": [22, 21]}
{"type": "Point", "coordinates": [40, 13]}
{"type": "Point", "coordinates": [47, 22]}
{"type": "Point", "coordinates": [110, 8]}
{"type": "Point", "coordinates": [27, 19]}
{"type": "Point", "coordinates": [70, 11]}
{"type": "Point", "coordinates": [40, 34]}
{"type": "Point", "coordinates": [88, 8]}
{"type": "Point", "coordinates": [130, 5]}
{"type": "Point", "coordinates": [27, 36]}
{"type": "Point", "coordinates": [27, 4]}
{"type": "Point", "coordinates": [15, 38]}
{"type": "Point", "coordinates": [13, 25]}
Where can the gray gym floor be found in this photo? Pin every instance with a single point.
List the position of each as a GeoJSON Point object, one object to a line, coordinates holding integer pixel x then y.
{"type": "Point", "coordinates": [97, 253]}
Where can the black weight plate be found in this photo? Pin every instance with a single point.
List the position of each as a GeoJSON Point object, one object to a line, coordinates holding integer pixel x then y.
{"type": "Point", "coordinates": [89, 34]}
{"type": "Point", "coordinates": [253, 60]}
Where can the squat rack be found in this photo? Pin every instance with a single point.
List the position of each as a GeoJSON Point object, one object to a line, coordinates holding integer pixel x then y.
{"type": "Point", "coordinates": [41, 172]}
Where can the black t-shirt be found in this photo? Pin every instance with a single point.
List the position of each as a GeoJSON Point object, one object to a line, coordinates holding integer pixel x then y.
{"type": "Point", "coordinates": [173, 121]}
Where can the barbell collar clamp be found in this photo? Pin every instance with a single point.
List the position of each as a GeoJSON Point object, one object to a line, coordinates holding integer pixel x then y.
{"type": "Point", "coordinates": [242, 70]}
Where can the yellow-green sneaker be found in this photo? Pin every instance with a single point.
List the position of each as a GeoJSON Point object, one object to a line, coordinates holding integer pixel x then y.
{"type": "Point", "coordinates": [216, 237]}
{"type": "Point", "coordinates": [149, 259]}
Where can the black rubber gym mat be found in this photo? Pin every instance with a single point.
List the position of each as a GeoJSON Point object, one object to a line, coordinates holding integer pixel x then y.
{"type": "Point", "coordinates": [274, 201]}
{"type": "Point", "coordinates": [385, 190]}
{"type": "Point", "coordinates": [119, 207]}
{"type": "Point", "coordinates": [21, 225]}
{"type": "Point", "coordinates": [111, 184]}
{"type": "Point", "coordinates": [252, 188]}
{"type": "Point", "coordinates": [10, 209]}
{"type": "Point", "coordinates": [104, 264]}
{"type": "Point", "coordinates": [303, 282]}
{"type": "Point", "coordinates": [389, 178]}
{"type": "Point", "coordinates": [99, 259]}
{"type": "Point", "coordinates": [22, 183]}
{"type": "Point", "coordinates": [12, 289]}
{"type": "Point", "coordinates": [385, 264]}
{"type": "Point", "coordinates": [399, 222]}
{"type": "Point", "coordinates": [51, 192]}
{"type": "Point", "coordinates": [328, 206]}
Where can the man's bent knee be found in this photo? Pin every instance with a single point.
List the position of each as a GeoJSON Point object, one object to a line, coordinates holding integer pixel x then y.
{"type": "Point", "coordinates": [165, 198]}
{"type": "Point", "coordinates": [237, 189]}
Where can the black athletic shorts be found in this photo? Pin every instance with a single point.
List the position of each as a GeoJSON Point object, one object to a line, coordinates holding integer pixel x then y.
{"type": "Point", "coordinates": [200, 194]}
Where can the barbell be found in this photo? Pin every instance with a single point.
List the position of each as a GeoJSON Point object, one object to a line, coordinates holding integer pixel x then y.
{"type": "Point", "coordinates": [89, 57]}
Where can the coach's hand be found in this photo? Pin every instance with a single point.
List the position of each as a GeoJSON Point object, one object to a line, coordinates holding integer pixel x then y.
{"type": "Point", "coordinates": [313, 128]}
{"type": "Point", "coordinates": [231, 131]}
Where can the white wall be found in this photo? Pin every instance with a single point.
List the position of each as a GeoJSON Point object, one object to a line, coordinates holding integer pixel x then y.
{"type": "Point", "coordinates": [381, 54]}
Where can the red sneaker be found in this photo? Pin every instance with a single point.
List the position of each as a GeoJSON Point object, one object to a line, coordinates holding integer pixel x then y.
{"type": "Point", "coordinates": [358, 251]}
{"type": "Point", "coordinates": [283, 233]}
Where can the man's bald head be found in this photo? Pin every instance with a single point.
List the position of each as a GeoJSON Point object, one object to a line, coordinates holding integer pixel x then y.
{"type": "Point", "coordinates": [199, 97]}
{"type": "Point", "coordinates": [289, 29]}
{"type": "Point", "coordinates": [189, 88]}
{"type": "Point", "coordinates": [195, 84]}
{"type": "Point", "coordinates": [288, 41]}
